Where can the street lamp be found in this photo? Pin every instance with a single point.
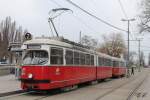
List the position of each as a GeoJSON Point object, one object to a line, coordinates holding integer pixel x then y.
{"type": "Point", "coordinates": [128, 20]}
{"type": "Point", "coordinates": [139, 40]}
{"type": "Point", "coordinates": [133, 19]}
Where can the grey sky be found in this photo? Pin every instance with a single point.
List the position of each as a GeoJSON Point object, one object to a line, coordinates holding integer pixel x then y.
{"type": "Point", "coordinates": [33, 15]}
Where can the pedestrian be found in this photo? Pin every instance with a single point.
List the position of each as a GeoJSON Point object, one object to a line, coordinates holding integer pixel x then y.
{"type": "Point", "coordinates": [132, 70]}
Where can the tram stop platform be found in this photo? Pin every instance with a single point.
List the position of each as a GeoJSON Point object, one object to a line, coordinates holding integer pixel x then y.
{"type": "Point", "coordinates": [9, 83]}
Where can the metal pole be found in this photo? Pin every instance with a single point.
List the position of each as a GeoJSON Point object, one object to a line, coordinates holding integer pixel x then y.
{"type": "Point", "coordinates": [54, 27]}
{"type": "Point", "coordinates": [80, 38]}
{"type": "Point", "coordinates": [128, 73]}
{"type": "Point", "coordinates": [128, 20]}
{"type": "Point", "coordinates": [139, 54]}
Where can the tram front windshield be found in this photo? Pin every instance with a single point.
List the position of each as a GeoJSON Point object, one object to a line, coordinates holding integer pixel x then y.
{"type": "Point", "coordinates": [35, 57]}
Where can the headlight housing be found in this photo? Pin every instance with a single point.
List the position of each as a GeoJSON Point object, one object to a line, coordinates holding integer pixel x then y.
{"type": "Point", "coordinates": [30, 76]}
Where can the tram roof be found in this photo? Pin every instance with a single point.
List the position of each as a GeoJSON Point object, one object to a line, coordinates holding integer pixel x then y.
{"type": "Point", "coordinates": [57, 42]}
{"type": "Point", "coordinates": [117, 59]}
{"type": "Point", "coordinates": [48, 42]}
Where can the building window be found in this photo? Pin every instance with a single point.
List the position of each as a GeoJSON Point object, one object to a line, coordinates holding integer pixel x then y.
{"type": "Point", "coordinates": [69, 57]}
{"type": "Point", "coordinates": [56, 56]}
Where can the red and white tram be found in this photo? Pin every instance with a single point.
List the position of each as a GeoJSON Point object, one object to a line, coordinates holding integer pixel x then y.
{"type": "Point", "coordinates": [119, 67]}
{"type": "Point", "coordinates": [51, 63]}
{"type": "Point", "coordinates": [104, 66]}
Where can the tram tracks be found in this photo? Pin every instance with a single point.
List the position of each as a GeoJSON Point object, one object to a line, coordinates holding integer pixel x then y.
{"type": "Point", "coordinates": [120, 86]}
{"type": "Point", "coordinates": [10, 95]}
{"type": "Point", "coordinates": [106, 93]}
{"type": "Point", "coordinates": [136, 88]}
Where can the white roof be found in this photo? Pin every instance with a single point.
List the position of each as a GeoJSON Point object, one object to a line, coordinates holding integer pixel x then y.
{"type": "Point", "coordinates": [48, 42]}
{"type": "Point", "coordinates": [103, 55]}
{"type": "Point", "coordinates": [53, 42]}
{"type": "Point", "coordinates": [117, 59]}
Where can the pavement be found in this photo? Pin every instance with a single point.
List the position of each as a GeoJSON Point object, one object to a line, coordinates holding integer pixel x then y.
{"type": "Point", "coordinates": [143, 93]}
{"type": "Point", "coordinates": [9, 83]}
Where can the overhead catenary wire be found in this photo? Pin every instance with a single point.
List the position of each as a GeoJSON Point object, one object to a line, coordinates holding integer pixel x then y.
{"type": "Point", "coordinates": [56, 3]}
{"type": "Point", "coordinates": [125, 14]}
{"type": "Point", "coordinates": [97, 18]}
{"type": "Point", "coordinates": [76, 17]}
{"type": "Point", "coordinates": [122, 8]}
{"type": "Point", "coordinates": [69, 1]}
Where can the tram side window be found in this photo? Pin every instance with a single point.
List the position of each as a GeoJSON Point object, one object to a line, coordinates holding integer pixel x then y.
{"type": "Point", "coordinates": [76, 58]}
{"type": "Point", "coordinates": [69, 57]}
{"type": "Point", "coordinates": [100, 61]}
{"type": "Point", "coordinates": [115, 63]}
{"type": "Point", "coordinates": [56, 56]}
{"type": "Point", "coordinates": [87, 61]}
{"type": "Point", "coordinates": [107, 62]}
{"type": "Point", "coordinates": [82, 58]}
{"type": "Point", "coordinates": [104, 62]}
{"type": "Point", "coordinates": [92, 60]}
{"type": "Point", "coordinates": [123, 64]}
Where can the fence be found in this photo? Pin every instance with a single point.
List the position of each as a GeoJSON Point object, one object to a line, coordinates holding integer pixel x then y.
{"type": "Point", "coordinates": [6, 69]}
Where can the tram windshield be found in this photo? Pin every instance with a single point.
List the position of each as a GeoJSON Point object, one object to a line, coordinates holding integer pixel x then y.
{"type": "Point", "coordinates": [35, 57]}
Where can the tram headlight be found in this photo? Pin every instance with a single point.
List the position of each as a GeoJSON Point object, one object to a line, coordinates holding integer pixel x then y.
{"type": "Point", "coordinates": [30, 75]}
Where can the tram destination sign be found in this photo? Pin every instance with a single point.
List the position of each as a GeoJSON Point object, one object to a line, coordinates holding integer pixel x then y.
{"type": "Point", "coordinates": [33, 46]}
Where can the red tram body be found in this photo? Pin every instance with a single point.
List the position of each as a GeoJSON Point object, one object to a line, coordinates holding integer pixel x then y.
{"type": "Point", "coordinates": [50, 64]}
{"type": "Point", "coordinates": [119, 68]}
{"type": "Point", "coordinates": [119, 71]}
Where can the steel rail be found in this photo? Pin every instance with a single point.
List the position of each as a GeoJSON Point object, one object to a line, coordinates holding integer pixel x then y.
{"type": "Point", "coordinates": [136, 88]}
{"type": "Point", "coordinates": [6, 97]}
{"type": "Point", "coordinates": [118, 87]}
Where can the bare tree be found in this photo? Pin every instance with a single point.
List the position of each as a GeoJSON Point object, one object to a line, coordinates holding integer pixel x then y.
{"type": "Point", "coordinates": [5, 30]}
{"type": "Point", "coordinates": [89, 41]}
{"type": "Point", "coordinates": [18, 35]}
{"type": "Point", "coordinates": [9, 33]}
{"type": "Point", "coordinates": [132, 55]}
{"type": "Point", "coordinates": [113, 45]}
{"type": "Point", "coordinates": [13, 30]}
{"type": "Point", "coordinates": [145, 16]}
